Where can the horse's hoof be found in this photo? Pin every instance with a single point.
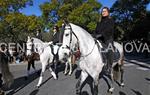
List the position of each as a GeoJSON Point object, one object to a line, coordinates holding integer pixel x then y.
{"type": "Point", "coordinates": [122, 84]}
{"type": "Point", "coordinates": [38, 86]}
{"type": "Point", "coordinates": [65, 73]}
{"type": "Point", "coordinates": [111, 90]}
{"type": "Point", "coordinates": [70, 73]}
{"type": "Point", "coordinates": [78, 93]}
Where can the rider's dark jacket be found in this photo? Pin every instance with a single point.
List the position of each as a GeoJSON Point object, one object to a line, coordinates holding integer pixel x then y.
{"type": "Point", "coordinates": [105, 30]}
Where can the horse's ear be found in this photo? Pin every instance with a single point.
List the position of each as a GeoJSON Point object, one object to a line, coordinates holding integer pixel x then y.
{"type": "Point", "coordinates": [65, 21]}
{"type": "Point", "coordinates": [28, 39]}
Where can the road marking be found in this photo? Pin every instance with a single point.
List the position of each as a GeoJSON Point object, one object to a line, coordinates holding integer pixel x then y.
{"type": "Point", "coordinates": [141, 68]}
{"type": "Point", "coordinates": [141, 63]}
{"type": "Point", "coordinates": [128, 64]}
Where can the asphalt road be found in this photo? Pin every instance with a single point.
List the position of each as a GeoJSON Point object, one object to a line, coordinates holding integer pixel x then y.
{"type": "Point", "coordinates": [136, 78]}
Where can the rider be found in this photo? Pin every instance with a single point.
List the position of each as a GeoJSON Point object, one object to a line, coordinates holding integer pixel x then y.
{"type": "Point", "coordinates": [39, 34]}
{"type": "Point", "coordinates": [5, 58]}
{"type": "Point", "coordinates": [56, 35]}
{"type": "Point", "coordinates": [105, 33]}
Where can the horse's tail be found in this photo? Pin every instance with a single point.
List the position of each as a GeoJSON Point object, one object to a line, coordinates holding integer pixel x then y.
{"type": "Point", "coordinates": [118, 67]}
{"type": "Point", "coordinates": [116, 72]}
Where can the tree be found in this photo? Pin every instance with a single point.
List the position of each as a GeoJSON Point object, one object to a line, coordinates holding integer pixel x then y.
{"type": "Point", "coordinates": [12, 22]}
{"type": "Point", "coordinates": [127, 14]}
{"type": "Point", "coordinates": [9, 6]}
{"type": "Point", "coordinates": [81, 12]}
{"type": "Point", "coordinates": [19, 25]}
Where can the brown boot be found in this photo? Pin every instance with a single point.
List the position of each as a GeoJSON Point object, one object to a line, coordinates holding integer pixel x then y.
{"type": "Point", "coordinates": [73, 59]}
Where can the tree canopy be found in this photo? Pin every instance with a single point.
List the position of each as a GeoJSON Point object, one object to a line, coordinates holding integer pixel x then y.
{"type": "Point", "coordinates": [81, 12]}
{"type": "Point", "coordinates": [130, 15]}
{"type": "Point", "coordinates": [15, 26]}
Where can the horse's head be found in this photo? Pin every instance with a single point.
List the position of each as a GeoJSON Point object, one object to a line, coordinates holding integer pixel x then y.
{"type": "Point", "coordinates": [64, 53]}
{"type": "Point", "coordinates": [70, 37]}
{"type": "Point", "coordinates": [67, 37]}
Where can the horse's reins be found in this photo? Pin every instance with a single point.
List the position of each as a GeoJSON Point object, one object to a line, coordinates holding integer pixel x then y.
{"type": "Point", "coordinates": [71, 38]}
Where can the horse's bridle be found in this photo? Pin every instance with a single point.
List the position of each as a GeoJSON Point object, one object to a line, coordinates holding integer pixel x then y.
{"type": "Point", "coordinates": [71, 32]}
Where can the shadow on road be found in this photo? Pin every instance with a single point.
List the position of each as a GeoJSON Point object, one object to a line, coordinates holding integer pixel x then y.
{"type": "Point", "coordinates": [20, 83]}
{"type": "Point", "coordinates": [84, 93]}
{"type": "Point", "coordinates": [136, 92]}
{"type": "Point", "coordinates": [61, 68]}
{"type": "Point", "coordinates": [34, 92]}
{"type": "Point", "coordinates": [121, 93]}
{"type": "Point", "coordinates": [148, 79]}
{"type": "Point", "coordinates": [46, 80]}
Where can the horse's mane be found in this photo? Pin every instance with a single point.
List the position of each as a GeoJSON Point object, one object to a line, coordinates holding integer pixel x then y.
{"type": "Point", "coordinates": [78, 28]}
{"type": "Point", "coordinates": [36, 40]}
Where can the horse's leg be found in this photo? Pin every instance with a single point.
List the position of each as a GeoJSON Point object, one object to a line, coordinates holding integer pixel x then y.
{"type": "Point", "coordinates": [66, 67]}
{"type": "Point", "coordinates": [33, 66]}
{"type": "Point", "coordinates": [95, 87]}
{"type": "Point", "coordinates": [55, 61]}
{"type": "Point", "coordinates": [55, 66]}
{"type": "Point", "coordinates": [122, 73]}
{"type": "Point", "coordinates": [42, 74]}
{"type": "Point", "coordinates": [95, 77]}
{"type": "Point", "coordinates": [70, 64]}
{"type": "Point", "coordinates": [28, 68]}
{"type": "Point", "coordinates": [53, 73]}
{"type": "Point", "coordinates": [111, 89]}
{"type": "Point", "coordinates": [96, 81]}
{"type": "Point", "coordinates": [82, 78]}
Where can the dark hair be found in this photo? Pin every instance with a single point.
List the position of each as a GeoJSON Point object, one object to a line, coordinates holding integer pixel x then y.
{"type": "Point", "coordinates": [56, 27]}
{"type": "Point", "coordinates": [3, 46]}
{"type": "Point", "coordinates": [106, 9]}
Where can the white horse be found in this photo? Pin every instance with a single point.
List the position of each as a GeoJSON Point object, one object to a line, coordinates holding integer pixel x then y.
{"type": "Point", "coordinates": [46, 56]}
{"type": "Point", "coordinates": [91, 60]}
{"type": "Point", "coordinates": [65, 57]}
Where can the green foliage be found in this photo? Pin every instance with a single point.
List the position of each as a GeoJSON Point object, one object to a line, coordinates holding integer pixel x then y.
{"type": "Point", "coordinates": [19, 25]}
{"type": "Point", "coordinates": [8, 6]}
{"type": "Point", "coordinates": [15, 26]}
{"type": "Point", "coordinates": [128, 13]}
{"type": "Point", "coordinates": [81, 12]}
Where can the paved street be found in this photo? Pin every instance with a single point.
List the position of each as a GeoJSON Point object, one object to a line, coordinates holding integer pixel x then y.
{"type": "Point", "coordinates": [137, 82]}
